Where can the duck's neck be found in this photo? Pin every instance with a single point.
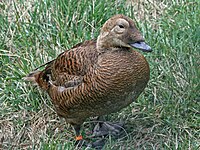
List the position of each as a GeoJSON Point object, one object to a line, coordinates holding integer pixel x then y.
{"type": "Point", "coordinates": [101, 44]}
{"type": "Point", "coordinates": [109, 44]}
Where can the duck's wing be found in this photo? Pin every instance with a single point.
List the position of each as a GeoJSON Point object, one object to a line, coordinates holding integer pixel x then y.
{"type": "Point", "coordinates": [69, 68]}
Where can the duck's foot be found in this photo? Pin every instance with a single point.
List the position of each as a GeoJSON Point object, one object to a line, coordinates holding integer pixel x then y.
{"type": "Point", "coordinates": [101, 130]}
{"type": "Point", "coordinates": [98, 144]}
{"type": "Point", "coordinates": [80, 142]}
{"type": "Point", "coordinates": [107, 128]}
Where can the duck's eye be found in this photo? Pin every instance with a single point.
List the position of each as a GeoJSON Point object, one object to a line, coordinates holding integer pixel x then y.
{"type": "Point", "coordinates": [121, 26]}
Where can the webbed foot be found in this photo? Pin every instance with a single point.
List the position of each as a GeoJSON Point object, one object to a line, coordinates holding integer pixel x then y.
{"type": "Point", "coordinates": [106, 128]}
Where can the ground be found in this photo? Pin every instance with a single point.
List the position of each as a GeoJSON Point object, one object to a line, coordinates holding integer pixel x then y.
{"type": "Point", "coordinates": [165, 116]}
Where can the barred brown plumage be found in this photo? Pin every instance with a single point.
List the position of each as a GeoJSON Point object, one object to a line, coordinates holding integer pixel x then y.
{"type": "Point", "coordinates": [97, 77]}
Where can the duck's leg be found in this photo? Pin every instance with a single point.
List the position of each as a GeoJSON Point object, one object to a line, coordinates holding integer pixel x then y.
{"type": "Point", "coordinates": [77, 132]}
{"type": "Point", "coordinates": [79, 138]}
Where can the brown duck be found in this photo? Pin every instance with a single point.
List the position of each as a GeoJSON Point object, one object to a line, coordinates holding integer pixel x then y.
{"type": "Point", "coordinates": [97, 77]}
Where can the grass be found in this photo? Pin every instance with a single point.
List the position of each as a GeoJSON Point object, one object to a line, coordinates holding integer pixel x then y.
{"type": "Point", "coordinates": [165, 116]}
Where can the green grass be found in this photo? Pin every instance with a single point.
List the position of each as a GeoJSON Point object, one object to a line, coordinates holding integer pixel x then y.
{"type": "Point", "coordinates": [165, 116]}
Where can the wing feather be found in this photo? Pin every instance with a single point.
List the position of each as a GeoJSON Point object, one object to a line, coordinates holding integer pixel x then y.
{"type": "Point", "coordinates": [69, 68]}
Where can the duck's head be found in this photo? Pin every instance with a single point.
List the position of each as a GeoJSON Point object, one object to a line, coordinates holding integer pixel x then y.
{"type": "Point", "coordinates": [120, 31]}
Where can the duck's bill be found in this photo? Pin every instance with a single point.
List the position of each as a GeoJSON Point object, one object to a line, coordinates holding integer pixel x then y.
{"type": "Point", "coordinates": [142, 46]}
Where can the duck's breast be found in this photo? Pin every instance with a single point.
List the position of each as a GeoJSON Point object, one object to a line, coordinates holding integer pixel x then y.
{"type": "Point", "coordinates": [121, 76]}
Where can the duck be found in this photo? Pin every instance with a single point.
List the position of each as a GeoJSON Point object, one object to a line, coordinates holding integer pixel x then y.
{"type": "Point", "coordinates": [98, 76]}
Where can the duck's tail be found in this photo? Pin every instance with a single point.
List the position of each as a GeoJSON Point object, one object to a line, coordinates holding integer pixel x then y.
{"type": "Point", "coordinates": [33, 76]}
{"type": "Point", "coordinates": [38, 78]}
